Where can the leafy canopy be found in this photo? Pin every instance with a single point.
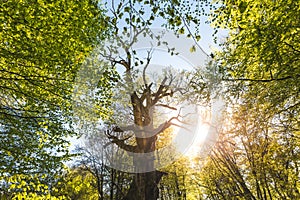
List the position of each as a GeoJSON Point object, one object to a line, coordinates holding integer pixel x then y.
{"type": "Point", "coordinates": [257, 155]}
{"type": "Point", "coordinates": [42, 44]}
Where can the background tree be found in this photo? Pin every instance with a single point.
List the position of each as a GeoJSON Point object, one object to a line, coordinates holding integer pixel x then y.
{"type": "Point", "coordinates": [109, 182]}
{"type": "Point", "coordinates": [76, 183]}
{"type": "Point", "coordinates": [252, 160]}
{"type": "Point", "coordinates": [42, 45]}
{"type": "Point", "coordinates": [181, 180]}
{"type": "Point", "coordinates": [261, 51]}
{"type": "Point", "coordinates": [260, 71]}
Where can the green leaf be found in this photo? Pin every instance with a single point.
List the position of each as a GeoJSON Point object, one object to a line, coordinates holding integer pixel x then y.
{"type": "Point", "coordinates": [193, 49]}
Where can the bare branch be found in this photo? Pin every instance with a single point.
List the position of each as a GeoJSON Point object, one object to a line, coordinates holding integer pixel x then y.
{"type": "Point", "coordinates": [166, 106]}
{"type": "Point", "coordinates": [263, 80]}
{"type": "Point", "coordinates": [146, 93]}
{"type": "Point", "coordinates": [149, 56]}
{"type": "Point", "coordinates": [162, 127]}
{"type": "Point", "coordinates": [161, 90]}
{"type": "Point", "coordinates": [120, 142]}
{"type": "Point", "coordinates": [292, 47]}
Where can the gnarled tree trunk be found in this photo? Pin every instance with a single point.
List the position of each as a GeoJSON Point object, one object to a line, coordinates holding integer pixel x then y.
{"type": "Point", "coordinates": [144, 185]}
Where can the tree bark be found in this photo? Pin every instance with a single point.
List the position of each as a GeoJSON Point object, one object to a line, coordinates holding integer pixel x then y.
{"type": "Point", "coordinates": [144, 186]}
{"type": "Point", "coordinates": [145, 183]}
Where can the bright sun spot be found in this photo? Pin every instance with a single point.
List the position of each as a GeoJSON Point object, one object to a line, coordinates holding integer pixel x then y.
{"type": "Point", "coordinates": [199, 140]}
{"type": "Point", "coordinates": [190, 132]}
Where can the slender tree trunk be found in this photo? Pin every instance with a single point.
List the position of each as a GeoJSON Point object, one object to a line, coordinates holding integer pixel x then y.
{"type": "Point", "coordinates": [112, 178]}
